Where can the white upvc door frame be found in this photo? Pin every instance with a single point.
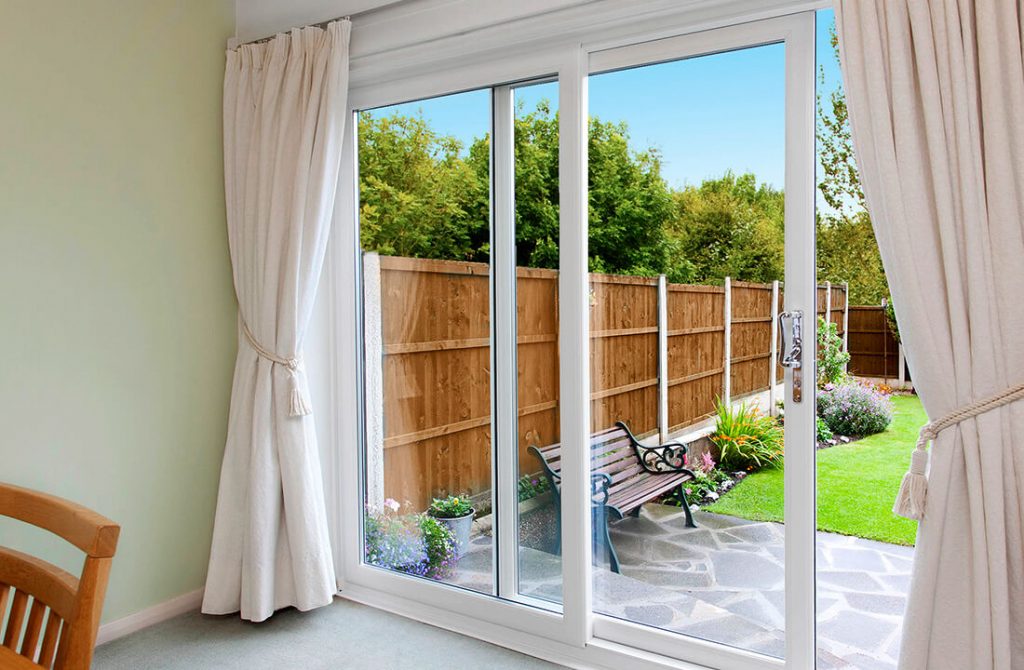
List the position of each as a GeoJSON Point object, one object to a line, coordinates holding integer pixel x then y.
{"type": "Point", "coordinates": [575, 636]}
{"type": "Point", "coordinates": [796, 32]}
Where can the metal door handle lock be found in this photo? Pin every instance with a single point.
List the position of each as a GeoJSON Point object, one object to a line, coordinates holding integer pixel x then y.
{"type": "Point", "coordinates": [791, 355]}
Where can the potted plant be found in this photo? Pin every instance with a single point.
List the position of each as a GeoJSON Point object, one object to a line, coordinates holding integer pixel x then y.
{"type": "Point", "coordinates": [455, 512]}
{"type": "Point", "coordinates": [416, 544]}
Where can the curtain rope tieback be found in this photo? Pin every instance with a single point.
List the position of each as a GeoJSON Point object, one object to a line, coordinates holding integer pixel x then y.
{"type": "Point", "coordinates": [910, 501]}
{"type": "Point", "coordinates": [298, 403]}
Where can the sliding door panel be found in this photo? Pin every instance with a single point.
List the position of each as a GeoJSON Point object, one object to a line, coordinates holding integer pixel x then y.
{"type": "Point", "coordinates": [688, 234]}
{"type": "Point", "coordinates": [424, 216]}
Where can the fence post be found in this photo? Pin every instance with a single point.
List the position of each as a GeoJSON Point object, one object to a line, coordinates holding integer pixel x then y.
{"type": "Point", "coordinates": [846, 322]}
{"type": "Point", "coordinates": [727, 348]}
{"type": "Point", "coordinates": [774, 348]}
{"type": "Point", "coordinates": [828, 302]}
{"type": "Point", "coordinates": [902, 363]}
{"type": "Point", "coordinates": [374, 356]}
{"type": "Point", "coordinates": [663, 358]}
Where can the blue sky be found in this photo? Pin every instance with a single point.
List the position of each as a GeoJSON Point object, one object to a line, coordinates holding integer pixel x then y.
{"type": "Point", "coordinates": [705, 115]}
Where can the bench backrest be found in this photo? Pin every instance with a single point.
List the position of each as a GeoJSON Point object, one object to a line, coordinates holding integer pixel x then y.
{"type": "Point", "coordinates": [612, 452]}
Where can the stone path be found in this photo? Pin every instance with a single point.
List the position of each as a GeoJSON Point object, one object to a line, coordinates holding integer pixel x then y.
{"type": "Point", "coordinates": [724, 582]}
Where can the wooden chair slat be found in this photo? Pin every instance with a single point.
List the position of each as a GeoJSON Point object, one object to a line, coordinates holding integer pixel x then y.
{"type": "Point", "coordinates": [12, 635]}
{"type": "Point", "coordinates": [51, 635]}
{"type": "Point", "coordinates": [5, 596]}
{"type": "Point", "coordinates": [30, 642]}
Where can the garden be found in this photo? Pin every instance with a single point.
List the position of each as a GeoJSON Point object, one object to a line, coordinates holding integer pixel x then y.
{"type": "Point", "coordinates": [863, 435]}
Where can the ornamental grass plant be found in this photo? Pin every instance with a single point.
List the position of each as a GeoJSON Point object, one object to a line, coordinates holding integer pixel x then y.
{"type": "Point", "coordinates": [746, 438]}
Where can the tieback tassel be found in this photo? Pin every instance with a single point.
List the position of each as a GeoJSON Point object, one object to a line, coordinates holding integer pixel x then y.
{"type": "Point", "coordinates": [298, 404]}
{"type": "Point", "coordinates": [910, 501]}
{"type": "Point", "coordinates": [913, 493]}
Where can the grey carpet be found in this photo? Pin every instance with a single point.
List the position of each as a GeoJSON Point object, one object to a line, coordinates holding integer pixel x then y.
{"type": "Point", "coordinates": [341, 636]}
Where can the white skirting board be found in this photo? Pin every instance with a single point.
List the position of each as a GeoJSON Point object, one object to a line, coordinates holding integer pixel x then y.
{"type": "Point", "coordinates": [188, 602]}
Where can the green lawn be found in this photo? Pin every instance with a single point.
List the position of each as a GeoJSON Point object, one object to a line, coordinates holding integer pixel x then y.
{"type": "Point", "coordinates": [857, 483]}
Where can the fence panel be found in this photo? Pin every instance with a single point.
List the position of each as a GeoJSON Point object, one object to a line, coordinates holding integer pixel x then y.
{"type": "Point", "coordinates": [874, 351]}
{"type": "Point", "coordinates": [750, 358]}
{"type": "Point", "coordinates": [435, 331]}
{"type": "Point", "coordinates": [436, 361]}
{"type": "Point", "coordinates": [624, 352]}
{"type": "Point", "coordinates": [696, 329]}
{"type": "Point", "coordinates": [537, 361]}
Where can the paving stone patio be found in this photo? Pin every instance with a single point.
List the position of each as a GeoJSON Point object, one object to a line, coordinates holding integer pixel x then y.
{"type": "Point", "coordinates": [723, 582]}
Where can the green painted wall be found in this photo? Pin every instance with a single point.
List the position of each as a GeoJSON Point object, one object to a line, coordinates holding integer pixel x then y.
{"type": "Point", "coordinates": [117, 314]}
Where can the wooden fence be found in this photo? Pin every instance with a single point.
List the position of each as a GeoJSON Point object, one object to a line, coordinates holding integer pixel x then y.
{"type": "Point", "coordinates": [874, 352]}
{"type": "Point", "coordinates": [660, 355]}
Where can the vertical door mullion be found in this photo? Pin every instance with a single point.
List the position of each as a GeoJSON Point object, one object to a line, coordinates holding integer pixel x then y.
{"type": "Point", "coordinates": [574, 347]}
{"type": "Point", "coordinates": [505, 377]}
{"type": "Point", "coordinates": [801, 294]}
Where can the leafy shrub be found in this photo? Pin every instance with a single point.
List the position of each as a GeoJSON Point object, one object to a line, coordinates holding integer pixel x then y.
{"type": "Point", "coordinates": [824, 433]}
{"type": "Point", "coordinates": [854, 409]}
{"type": "Point", "coordinates": [832, 359]}
{"type": "Point", "coordinates": [451, 507]}
{"type": "Point", "coordinates": [417, 544]}
{"type": "Point", "coordinates": [707, 479]}
{"type": "Point", "coordinates": [746, 439]}
{"type": "Point", "coordinates": [890, 318]}
{"type": "Point", "coordinates": [531, 487]}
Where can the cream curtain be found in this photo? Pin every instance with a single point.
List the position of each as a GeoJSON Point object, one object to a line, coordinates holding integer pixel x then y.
{"type": "Point", "coordinates": [284, 117]}
{"type": "Point", "coordinates": [936, 97]}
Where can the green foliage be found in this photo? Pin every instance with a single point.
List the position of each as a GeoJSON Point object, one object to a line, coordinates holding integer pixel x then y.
{"type": "Point", "coordinates": [856, 483]}
{"type": "Point", "coordinates": [729, 227]}
{"type": "Point", "coordinates": [422, 195]}
{"type": "Point", "coordinates": [451, 507]}
{"type": "Point", "coordinates": [848, 253]}
{"type": "Point", "coordinates": [531, 487]}
{"type": "Point", "coordinates": [847, 249]}
{"type": "Point", "coordinates": [832, 359]}
{"type": "Point", "coordinates": [890, 318]}
{"type": "Point", "coordinates": [629, 204]}
{"type": "Point", "coordinates": [854, 408]}
{"type": "Point", "coordinates": [416, 544]}
{"type": "Point", "coordinates": [822, 432]}
{"type": "Point", "coordinates": [418, 196]}
{"type": "Point", "coordinates": [746, 439]}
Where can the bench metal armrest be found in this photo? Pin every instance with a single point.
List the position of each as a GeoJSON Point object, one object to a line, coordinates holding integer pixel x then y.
{"type": "Point", "coordinates": [599, 485]}
{"type": "Point", "coordinates": [663, 458]}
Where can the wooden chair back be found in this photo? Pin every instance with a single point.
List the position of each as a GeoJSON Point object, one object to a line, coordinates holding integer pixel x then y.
{"type": "Point", "coordinates": [52, 617]}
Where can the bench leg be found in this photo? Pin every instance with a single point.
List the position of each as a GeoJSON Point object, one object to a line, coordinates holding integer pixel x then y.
{"type": "Point", "coordinates": [636, 512]}
{"type": "Point", "coordinates": [603, 536]}
{"type": "Point", "coordinates": [686, 507]}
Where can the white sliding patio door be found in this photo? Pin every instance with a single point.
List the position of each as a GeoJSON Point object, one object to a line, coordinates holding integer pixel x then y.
{"type": "Point", "coordinates": [557, 251]}
{"type": "Point", "coordinates": [705, 232]}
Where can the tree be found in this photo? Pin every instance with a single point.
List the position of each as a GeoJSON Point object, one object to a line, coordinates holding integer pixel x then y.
{"type": "Point", "coordinates": [628, 205]}
{"type": "Point", "coordinates": [847, 248]}
{"type": "Point", "coordinates": [418, 196]}
{"type": "Point", "coordinates": [730, 227]}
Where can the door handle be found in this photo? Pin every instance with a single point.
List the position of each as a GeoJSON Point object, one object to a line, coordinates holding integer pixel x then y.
{"type": "Point", "coordinates": [791, 354]}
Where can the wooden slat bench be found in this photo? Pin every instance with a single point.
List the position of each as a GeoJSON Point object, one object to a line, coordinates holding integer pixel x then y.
{"type": "Point", "coordinates": [625, 474]}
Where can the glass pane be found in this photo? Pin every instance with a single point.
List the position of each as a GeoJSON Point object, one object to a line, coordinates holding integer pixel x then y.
{"type": "Point", "coordinates": [424, 216]}
{"type": "Point", "coordinates": [536, 224]}
{"type": "Point", "coordinates": [864, 551]}
{"type": "Point", "coordinates": [686, 251]}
